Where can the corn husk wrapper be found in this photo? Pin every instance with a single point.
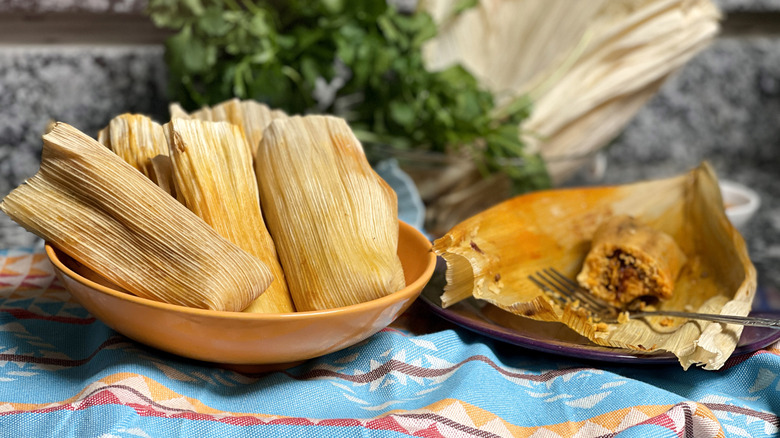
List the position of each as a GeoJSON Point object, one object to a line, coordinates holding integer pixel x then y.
{"type": "Point", "coordinates": [177, 112]}
{"type": "Point", "coordinates": [491, 255]}
{"type": "Point", "coordinates": [333, 219]}
{"type": "Point", "coordinates": [587, 66]}
{"type": "Point", "coordinates": [163, 172]}
{"type": "Point", "coordinates": [253, 117]}
{"type": "Point", "coordinates": [137, 139]}
{"type": "Point", "coordinates": [108, 216]}
{"type": "Point", "coordinates": [214, 177]}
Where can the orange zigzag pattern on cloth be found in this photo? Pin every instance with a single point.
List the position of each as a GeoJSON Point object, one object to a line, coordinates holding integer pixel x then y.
{"type": "Point", "coordinates": [31, 277]}
{"type": "Point", "coordinates": [140, 392]}
{"type": "Point", "coordinates": [671, 416]}
{"type": "Point", "coordinates": [150, 398]}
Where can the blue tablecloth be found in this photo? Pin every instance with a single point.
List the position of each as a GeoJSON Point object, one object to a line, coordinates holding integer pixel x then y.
{"type": "Point", "coordinates": [64, 373]}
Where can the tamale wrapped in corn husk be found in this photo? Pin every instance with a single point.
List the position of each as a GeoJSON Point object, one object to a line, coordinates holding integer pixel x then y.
{"type": "Point", "coordinates": [136, 139]}
{"type": "Point", "coordinates": [214, 177]}
{"type": "Point", "coordinates": [108, 216]}
{"type": "Point", "coordinates": [177, 112]}
{"type": "Point", "coordinates": [629, 260]}
{"type": "Point", "coordinates": [491, 255]}
{"type": "Point", "coordinates": [333, 219]}
{"type": "Point", "coordinates": [253, 117]}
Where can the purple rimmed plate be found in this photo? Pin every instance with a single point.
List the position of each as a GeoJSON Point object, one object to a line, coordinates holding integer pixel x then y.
{"type": "Point", "coordinates": [556, 338]}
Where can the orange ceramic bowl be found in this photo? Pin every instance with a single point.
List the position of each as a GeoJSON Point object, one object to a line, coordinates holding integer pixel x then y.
{"type": "Point", "coordinates": [235, 338]}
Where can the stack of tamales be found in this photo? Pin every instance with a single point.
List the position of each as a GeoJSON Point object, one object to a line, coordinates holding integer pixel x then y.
{"type": "Point", "coordinates": [174, 214]}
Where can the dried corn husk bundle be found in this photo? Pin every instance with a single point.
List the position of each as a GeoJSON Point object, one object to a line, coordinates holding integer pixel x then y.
{"type": "Point", "coordinates": [105, 214]}
{"type": "Point", "coordinates": [588, 67]}
{"type": "Point", "coordinates": [253, 117]}
{"type": "Point", "coordinates": [214, 177]}
{"type": "Point", "coordinates": [490, 256]}
{"type": "Point", "coordinates": [333, 219]}
{"type": "Point", "coordinates": [136, 139]}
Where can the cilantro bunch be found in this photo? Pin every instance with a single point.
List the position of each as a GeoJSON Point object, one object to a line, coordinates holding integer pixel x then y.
{"type": "Point", "coordinates": [358, 59]}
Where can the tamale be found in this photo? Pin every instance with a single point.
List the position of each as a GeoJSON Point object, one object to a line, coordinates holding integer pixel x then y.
{"type": "Point", "coordinates": [107, 215]}
{"type": "Point", "coordinates": [177, 112]}
{"type": "Point", "coordinates": [253, 117]}
{"type": "Point", "coordinates": [334, 220]}
{"type": "Point", "coordinates": [630, 260]}
{"type": "Point", "coordinates": [136, 139]}
{"type": "Point", "coordinates": [214, 177]}
{"type": "Point", "coordinates": [490, 256]}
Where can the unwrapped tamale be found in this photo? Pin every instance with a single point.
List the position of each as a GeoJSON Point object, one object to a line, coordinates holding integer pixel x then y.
{"type": "Point", "coordinates": [629, 260]}
{"type": "Point", "coordinates": [107, 215]}
{"type": "Point", "coordinates": [214, 177]}
{"type": "Point", "coordinates": [136, 139]}
{"type": "Point", "coordinates": [333, 219]}
{"type": "Point", "coordinates": [490, 257]}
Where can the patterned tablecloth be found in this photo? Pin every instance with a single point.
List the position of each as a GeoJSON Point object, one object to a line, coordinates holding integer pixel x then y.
{"type": "Point", "coordinates": [63, 373]}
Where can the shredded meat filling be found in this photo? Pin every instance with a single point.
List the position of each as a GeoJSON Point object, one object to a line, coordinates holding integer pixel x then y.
{"type": "Point", "coordinates": [624, 279]}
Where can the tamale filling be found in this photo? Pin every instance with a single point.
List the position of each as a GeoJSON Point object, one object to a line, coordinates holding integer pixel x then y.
{"type": "Point", "coordinates": [626, 281]}
{"type": "Point", "coordinates": [630, 260]}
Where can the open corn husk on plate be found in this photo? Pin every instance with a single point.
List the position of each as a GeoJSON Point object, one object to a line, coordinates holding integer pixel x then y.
{"type": "Point", "coordinates": [490, 256]}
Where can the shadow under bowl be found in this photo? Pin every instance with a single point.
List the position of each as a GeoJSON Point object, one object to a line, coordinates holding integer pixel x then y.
{"type": "Point", "coordinates": [247, 342]}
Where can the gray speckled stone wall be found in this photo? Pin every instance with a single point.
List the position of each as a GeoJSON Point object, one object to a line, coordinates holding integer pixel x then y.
{"type": "Point", "coordinates": [724, 106]}
{"type": "Point", "coordinates": [40, 6]}
{"type": "Point", "coordinates": [82, 86]}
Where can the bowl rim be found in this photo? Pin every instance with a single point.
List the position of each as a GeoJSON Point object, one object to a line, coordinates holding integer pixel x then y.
{"type": "Point", "coordinates": [410, 289]}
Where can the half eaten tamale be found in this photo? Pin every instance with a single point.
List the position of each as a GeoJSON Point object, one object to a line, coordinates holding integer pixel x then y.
{"type": "Point", "coordinates": [214, 177]}
{"type": "Point", "coordinates": [333, 219]}
{"type": "Point", "coordinates": [629, 260]}
{"type": "Point", "coordinates": [136, 139]}
{"type": "Point", "coordinates": [491, 255]}
{"type": "Point", "coordinates": [105, 214]}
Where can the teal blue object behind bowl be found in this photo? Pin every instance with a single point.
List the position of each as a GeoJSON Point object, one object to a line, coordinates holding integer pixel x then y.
{"type": "Point", "coordinates": [410, 206]}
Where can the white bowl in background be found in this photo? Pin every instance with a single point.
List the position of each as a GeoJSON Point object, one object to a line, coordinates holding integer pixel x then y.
{"type": "Point", "coordinates": [740, 202]}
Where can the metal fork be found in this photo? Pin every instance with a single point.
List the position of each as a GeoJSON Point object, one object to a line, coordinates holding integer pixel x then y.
{"type": "Point", "coordinates": [564, 290]}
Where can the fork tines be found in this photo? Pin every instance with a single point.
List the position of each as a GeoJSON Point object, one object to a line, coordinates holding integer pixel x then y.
{"type": "Point", "coordinates": [567, 290]}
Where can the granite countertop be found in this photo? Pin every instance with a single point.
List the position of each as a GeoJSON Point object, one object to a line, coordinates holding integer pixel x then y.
{"type": "Point", "coordinates": [762, 233]}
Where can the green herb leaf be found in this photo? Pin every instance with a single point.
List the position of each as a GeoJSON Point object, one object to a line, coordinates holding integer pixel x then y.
{"type": "Point", "coordinates": [213, 22]}
{"type": "Point", "coordinates": [276, 52]}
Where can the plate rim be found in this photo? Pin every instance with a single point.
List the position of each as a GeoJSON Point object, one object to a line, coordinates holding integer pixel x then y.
{"type": "Point", "coordinates": [582, 352]}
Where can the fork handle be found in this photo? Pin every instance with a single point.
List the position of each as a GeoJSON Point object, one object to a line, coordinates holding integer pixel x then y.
{"type": "Point", "coordinates": [729, 319]}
